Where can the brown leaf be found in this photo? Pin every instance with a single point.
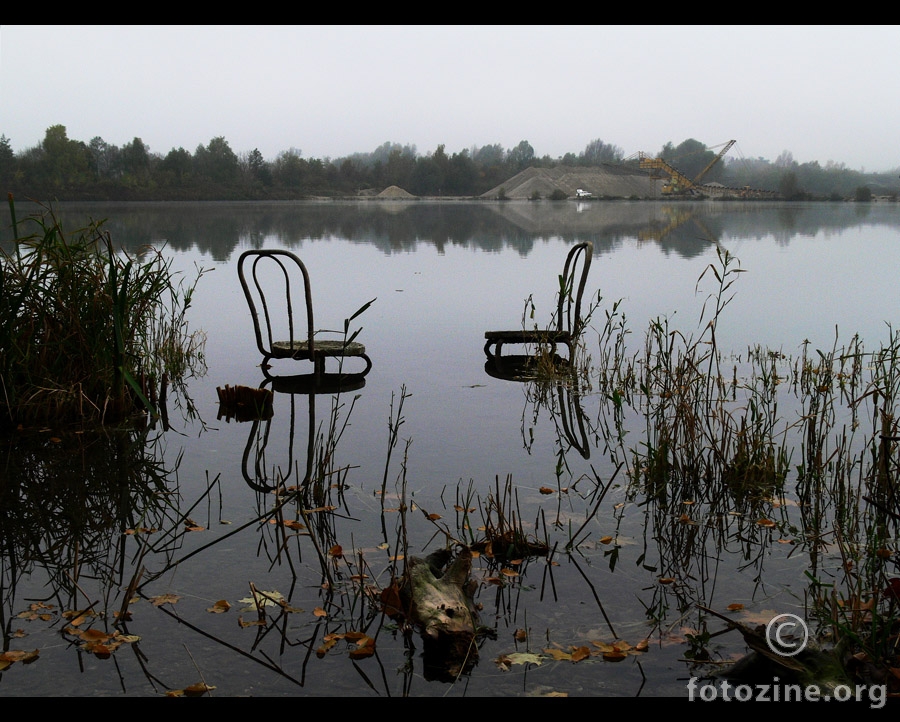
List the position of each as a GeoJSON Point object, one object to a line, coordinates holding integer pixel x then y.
{"type": "Point", "coordinates": [319, 612]}
{"type": "Point", "coordinates": [766, 523]}
{"type": "Point", "coordinates": [520, 635]}
{"type": "Point", "coordinates": [433, 517]}
{"type": "Point", "coordinates": [197, 690]}
{"type": "Point", "coordinates": [546, 490]}
{"type": "Point", "coordinates": [580, 653]}
{"type": "Point", "coordinates": [606, 540]}
{"type": "Point", "coordinates": [337, 551]}
{"type": "Point", "coordinates": [735, 607]}
{"type": "Point", "coordinates": [219, 607]}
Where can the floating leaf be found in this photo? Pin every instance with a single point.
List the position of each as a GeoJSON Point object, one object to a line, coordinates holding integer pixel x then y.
{"type": "Point", "coordinates": [164, 599]}
{"type": "Point", "coordinates": [734, 607]}
{"type": "Point", "coordinates": [558, 654]}
{"type": "Point", "coordinates": [524, 658]}
{"type": "Point", "coordinates": [197, 690]}
{"type": "Point", "coordinates": [766, 522]}
{"type": "Point", "coordinates": [219, 607]}
{"type": "Point", "coordinates": [546, 490]}
{"type": "Point", "coordinates": [606, 540]}
{"type": "Point", "coordinates": [337, 551]}
{"type": "Point", "coordinates": [580, 653]}
{"type": "Point", "coordinates": [319, 612]}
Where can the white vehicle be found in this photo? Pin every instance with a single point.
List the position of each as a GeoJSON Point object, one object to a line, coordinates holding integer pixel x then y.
{"type": "Point", "coordinates": [583, 194]}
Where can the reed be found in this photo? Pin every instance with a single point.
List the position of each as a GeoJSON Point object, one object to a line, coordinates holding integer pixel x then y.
{"type": "Point", "coordinates": [88, 333]}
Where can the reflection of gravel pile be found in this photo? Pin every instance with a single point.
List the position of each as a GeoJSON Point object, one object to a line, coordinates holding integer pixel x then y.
{"type": "Point", "coordinates": [394, 192]}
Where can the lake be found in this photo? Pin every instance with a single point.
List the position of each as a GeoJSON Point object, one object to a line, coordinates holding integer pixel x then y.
{"type": "Point", "coordinates": [613, 610]}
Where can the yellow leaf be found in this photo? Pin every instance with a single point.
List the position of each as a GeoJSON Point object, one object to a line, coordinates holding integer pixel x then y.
{"type": "Point", "coordinates": [606, 540]}
{"type": "Point", "coordinates": [319, 612]}
{"type": "Point", "coordinates": [557, 654]}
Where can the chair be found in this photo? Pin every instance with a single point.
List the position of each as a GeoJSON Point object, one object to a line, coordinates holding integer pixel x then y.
{"type": "Point", "coordinates": [275, 282]}
{"type": "Point", "coordinates": [569, 323]}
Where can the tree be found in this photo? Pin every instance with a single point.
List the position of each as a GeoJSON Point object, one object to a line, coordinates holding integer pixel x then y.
{"type": "Point", "coordinates": [259, 169]}
{"type": "Point", "coordinates": [134, 160]}
{"type": "Point", "coordinates": [789, 187]}
{"type": "Point", "coordinates": [103, 155]}
{"type": "Point", "coordinates": [66, 162]}
{"type": "Point", "coordinates": [217, 161]}
{"type": "Point", "coordinates": [520, 157]}
{"type": "Point", "coordinates": [863, 194]}
{"type": "Point", "coordinates": [178, 164]}
{"type": "Point", "coordinates": [597, 152]}
{"type": "Point", "coordinates": [7, 160]}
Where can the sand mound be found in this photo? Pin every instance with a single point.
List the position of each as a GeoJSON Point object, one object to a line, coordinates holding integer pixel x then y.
{"type": "Point", "coordinates": [394, 192]}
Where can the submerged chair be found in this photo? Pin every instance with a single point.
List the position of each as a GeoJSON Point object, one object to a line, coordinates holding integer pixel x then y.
{"type": "Point", "coordinates": [274, 284]}
{"type": "Point", "coordinates": [569, 323]}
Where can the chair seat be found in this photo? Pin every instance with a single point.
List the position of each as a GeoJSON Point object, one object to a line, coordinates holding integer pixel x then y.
{"type": "Point", "coordinates": [534, 336]}
{"type": "Point", "coordinates": [300, 349]}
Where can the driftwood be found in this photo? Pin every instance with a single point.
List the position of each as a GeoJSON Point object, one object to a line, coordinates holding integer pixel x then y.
{"type": "Point", "coordinates": [244, 403]}
{"type": "Point", "coordinates": [437, 598]}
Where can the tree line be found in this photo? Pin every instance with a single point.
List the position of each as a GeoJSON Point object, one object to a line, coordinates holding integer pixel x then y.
{"type": "Point", "coordinates": [60, 168]}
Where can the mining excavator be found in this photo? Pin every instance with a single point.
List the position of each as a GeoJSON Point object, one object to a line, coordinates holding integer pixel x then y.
{"type": "Point", "coordinates": [678, 183]}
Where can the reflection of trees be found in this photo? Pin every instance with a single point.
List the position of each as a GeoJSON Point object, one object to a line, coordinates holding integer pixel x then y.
{"type": "Point", "coordinates": [70, 503]}
{"type": "Point", "coordinates": [218, 229]}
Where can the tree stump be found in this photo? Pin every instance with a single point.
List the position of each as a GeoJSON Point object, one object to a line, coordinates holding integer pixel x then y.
{"type": "Point", "coordinates": [437, 597]}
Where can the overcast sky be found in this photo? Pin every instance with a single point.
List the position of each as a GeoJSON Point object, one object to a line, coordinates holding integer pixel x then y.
{"type": "Point", "coordinates": [823, 93]}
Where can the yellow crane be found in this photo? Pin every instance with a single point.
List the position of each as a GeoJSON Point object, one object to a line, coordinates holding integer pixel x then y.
{"type": "Point", "coordinates": [679, 183]}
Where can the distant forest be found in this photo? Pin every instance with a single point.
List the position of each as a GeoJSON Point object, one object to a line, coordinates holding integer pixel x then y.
{"type": "Point", "coordinates": [63, 169]}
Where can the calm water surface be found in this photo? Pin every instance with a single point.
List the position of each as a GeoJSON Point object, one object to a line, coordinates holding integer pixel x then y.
{"type": "Point", "coordinates": [442, 274]}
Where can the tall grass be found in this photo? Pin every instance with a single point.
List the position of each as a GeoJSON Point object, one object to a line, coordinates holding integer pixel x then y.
{"type": "Point", "coordinates": [88, 333]}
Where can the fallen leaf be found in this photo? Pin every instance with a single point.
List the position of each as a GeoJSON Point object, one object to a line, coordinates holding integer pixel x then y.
{"type": "Point", "coordinates": [606, 540]}
{"type": "Point", "coordinates": [197, 690]}
{"type": "Point", "coordinates": [734, 607]}
{"type": "Point", "coordinates": [546, 490]}
{"type": "Point", "coordinates": [337, 551]}
{"type": "Point", "coordinates": [433, 517]}
{"type": "Point", "coordinates": [319, 612]}
{"type": "Point", "coordinates": [558, 654]}
{"type": "Point", "coordinates": [524, 658]}
{"type": "Point", "coordinates": [219, 607]}
{"type": "Point", "coordinates": [164, 599]}
{"type": "Point", "coordinates": [580, 653]}
{"type": "Point", "coordinates": [765, 522]}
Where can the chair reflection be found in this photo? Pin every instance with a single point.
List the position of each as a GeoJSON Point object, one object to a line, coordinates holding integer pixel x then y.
{"type": "Point", "coordinates": [564, 392]}
{"type": "Point", "coordinates": [258, 473]}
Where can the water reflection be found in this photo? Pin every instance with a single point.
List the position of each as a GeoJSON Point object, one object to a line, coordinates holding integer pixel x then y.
{"type": "Point", "coordinates": [217, 229]}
